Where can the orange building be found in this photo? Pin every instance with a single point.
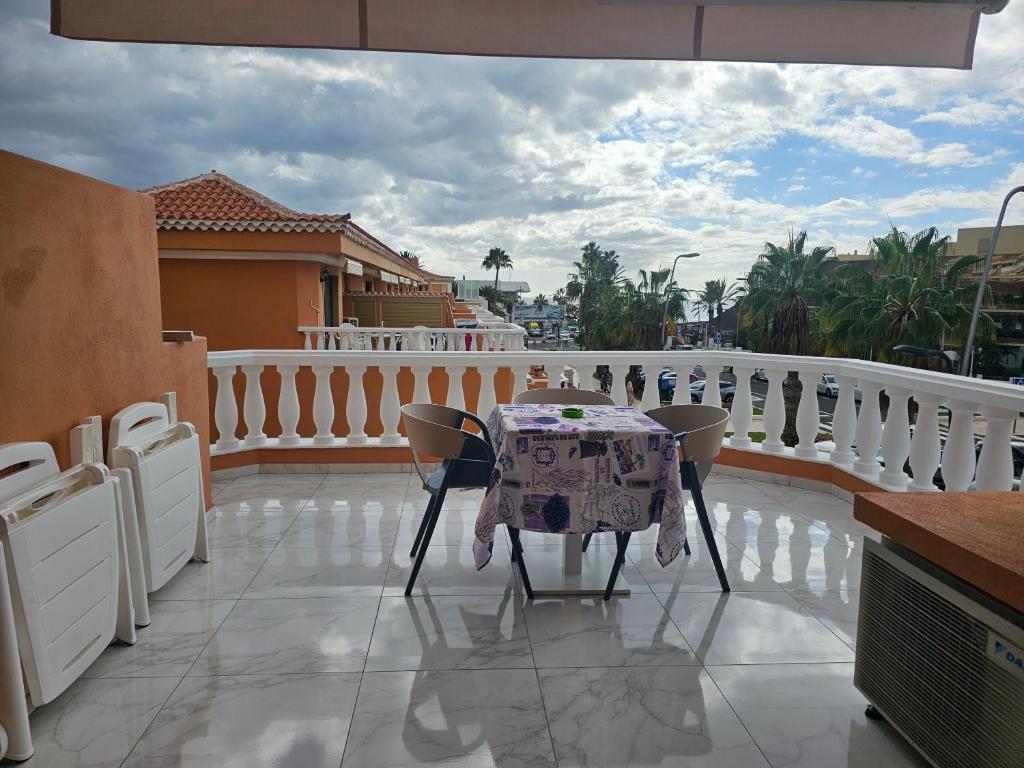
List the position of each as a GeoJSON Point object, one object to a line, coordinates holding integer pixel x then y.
{"type": "Point", "coordinates": [246, 271]}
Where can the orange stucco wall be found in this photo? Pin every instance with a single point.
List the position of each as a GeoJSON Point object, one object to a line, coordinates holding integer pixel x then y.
{"type": "Point", "coordinates": [80, 308]}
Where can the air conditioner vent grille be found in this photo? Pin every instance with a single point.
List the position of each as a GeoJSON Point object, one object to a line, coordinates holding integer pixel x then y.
{"type": "Point", "coordinates": [922, 660]}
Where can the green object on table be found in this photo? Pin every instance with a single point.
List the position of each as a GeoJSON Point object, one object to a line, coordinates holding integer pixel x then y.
{"type": "Point", "coordinates": [572, 413]}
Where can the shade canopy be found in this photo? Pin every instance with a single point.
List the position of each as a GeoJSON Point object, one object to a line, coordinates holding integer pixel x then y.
{"type": "Point", "coordinates": [927, 33]}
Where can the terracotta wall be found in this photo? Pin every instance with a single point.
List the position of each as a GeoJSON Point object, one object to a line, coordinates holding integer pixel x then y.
{"type": "Point", "coordinates": [80, 308]}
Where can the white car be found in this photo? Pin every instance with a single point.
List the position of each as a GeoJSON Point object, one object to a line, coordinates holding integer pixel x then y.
{"type": "Point", "coordinates": [828, 386]}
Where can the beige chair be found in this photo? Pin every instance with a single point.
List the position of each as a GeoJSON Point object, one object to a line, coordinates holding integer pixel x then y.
{"type": "Point", "coordinates": [467, 460]}
{"type": "Point", "coordinates": [560, 396]}
{"type": "Point", "coordinates": [698, 430]}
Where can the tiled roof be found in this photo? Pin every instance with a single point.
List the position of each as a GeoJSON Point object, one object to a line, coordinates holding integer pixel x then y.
{"type": "Point", "coordinates": [214, 201]}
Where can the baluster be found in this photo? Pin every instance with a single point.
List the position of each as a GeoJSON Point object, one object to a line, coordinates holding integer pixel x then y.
{"type": "Point", "coordinates": [995, 464]}
{"type": "Point", "coordinates": [332, 340]}
{"type": "Point", "coordinates": [924, 444]}
{"type": "Point", "coordinates": [869, 429]}
{"type": "Point", "coordinates": [355, 407]}
{"type": "Point", "coordinates": [619, 384]}
{"type": "Point", "coordinates": [958, 456]}
{"type": "Point", "coordinates": [712, 393]}
{"type": "Point", "coordinates": [225, 411]}
{"type": "Point", "coordinates": [456, 398]}
{"type": "Point", "coordinates": [554, 372]}
{"type": "Point", "coordinates": [519, 379]}
{"type": "Point", "coordinates": [807, 419]}
{"type": "Point", "coordinates": [681, 395]}
{"type": "Point", "coordinates": [308, 344]}
{"type": "Point", "coordinates": [320, 340]}
{"type": "Point", "coordinates": [592, 382]}
{"type": "Point", "coordinates": [896, 438]}
{"type": "Point", "coordinates": [774, 413]}
{"type": "Point", "coordinates": [844, 422]}
{"type": "Point", "coordinates": [323, 405]}
{"type": "Point", "coordinates": [288, 406]}
{"type": "Point", "coordinates": [487, 399]}
{"type": "Point", "coordinates": [390, 408]}
{"type": "Point", "coordinates": [421, 389]}
{"type": "Point", "coordinates": [651, 398]}
{"type": "Point", "coordinates": [254, 411]}
{"type": "Point", "coordinates": [742, 408]}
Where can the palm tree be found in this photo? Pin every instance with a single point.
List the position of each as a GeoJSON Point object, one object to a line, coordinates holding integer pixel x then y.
{"type": "Point", "coordinates": [497, 260]}
{"type": "Point", "coordinates": [912, 295]}
{"type": "Point", "coordinates": [781, 287]}
{"type": "Point", "coordinates": [560, 298]}
{"type": "Point", "coordinates": [540, 301]}
{"type": "Point", "coordinates": [594, 286]}
{"type": "Point", "coordinates": [718, 293]}
{"type": "Point", "coordinates": [645, 303]}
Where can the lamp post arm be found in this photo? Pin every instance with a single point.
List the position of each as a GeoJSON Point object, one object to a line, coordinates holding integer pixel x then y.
{"type": "Point", "coordinates": [965, 360]}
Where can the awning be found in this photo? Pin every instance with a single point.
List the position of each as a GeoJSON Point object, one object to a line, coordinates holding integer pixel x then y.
{"type": "Point", "coordinates": [927, 33]}
{"type": "Point", "coordinates": [387, 277]}
{"type": "Point", "coordinates": [353, 267]}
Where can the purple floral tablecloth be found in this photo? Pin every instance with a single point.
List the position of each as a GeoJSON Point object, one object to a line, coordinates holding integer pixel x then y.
{"type": "Point", "coordinates": [613, 470]}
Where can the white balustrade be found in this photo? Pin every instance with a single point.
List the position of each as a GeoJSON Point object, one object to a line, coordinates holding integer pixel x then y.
{"type": "Point", "coordinates": [225, 410]}
{"type": "Point", "coordinates": [995, 464]}
{"type": "Point", "coordinates": [896, 438]}
{"type": "Point", "coordinates": [774, 413]}
{"type": "Point", "coordinates": [712, 394]}
{"type": "Point", "coordinates": [323, 405]}
{"type": "Point", "coordinates": [925, 446]}
{"type": "Point", "coordinates": [253, 408]}
{"type": "Point", "coordinates": [807, 416]}
{"type": "Point", "coordinates": [958, 455]}
{"type": "Point", "coordinates": [869, 429]}
{"type": "Point", "coordinates": [390, 407]}
{"type": "Point", "coordinates": [393, 354]}
{"type": "Point", "coordinates": [742, 407]}
{"type": "Point", "coordinates": [355, 411]}
{"type": "Point", "coordinates": [844, 422]}
{"type": "Point", "coordinates": [288, 406]}
{"type": "Point", "coordinates": [507, 338]}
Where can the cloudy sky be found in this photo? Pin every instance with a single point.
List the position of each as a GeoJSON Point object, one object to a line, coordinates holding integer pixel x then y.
{"type": "Point", "coordinates": [448, 156]}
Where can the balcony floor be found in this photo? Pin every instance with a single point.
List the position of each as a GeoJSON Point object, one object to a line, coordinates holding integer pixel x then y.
{"type": "Point", "coordinates": [294, 646]}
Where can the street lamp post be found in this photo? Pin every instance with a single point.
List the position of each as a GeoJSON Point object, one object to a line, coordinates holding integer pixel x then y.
{"type": "Point", "coordinates": [671, 278]}
{"type": "Point", "coordinates": [965, 359]}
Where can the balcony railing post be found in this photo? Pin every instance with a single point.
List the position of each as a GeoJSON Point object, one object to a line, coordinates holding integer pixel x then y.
{"type": "Point", "coordinates": [712, 392]}
{"type": "Point", "coordinates": [421, 389]}
{"type": "Point", "coordinates": [487, 399]}
{"type": "Point", "coordinates": [355, 405]}
{"type": "Point", "coordinates": [390, 408]}
{"type": "Point", "coordinates": [995, 464]}
{"type": "Point", "coordinates": [456, 397]}
{"type": "Point", "coordinates": [924, 444]}
{"type": "Point", "coordinates": [681, 395]}
{"type": "Point", "coordinates": [225, 410]}
{"type": "Point", "coordinates": [308, 344]}
{"type": "Point", "coordinates": [774, 413]}
{"type": "Point", "coordinates": [807, 416]}
{"type": "Point", "coordinates": [742, 408]}
{"type": "Point", "coordinates": [958, 455]}
{"type": "Point", "coordinates": [554, 368]}
{"type": "Point", "coordinates": [619, 384]}
{"type": "Point", "coordinates": [320, 339]}
{"type": "Point", "coordinates": [323, 405]}
{"type": "Point", "coordinates": [869, 429]}
{"type": "Point", "coordinates": [651, 398]}
{"type": "Point", "coordinates": [844, 422]}
{"type": "Point", "coordinates": [520, 380]}
{"type": "Point", "coordinates": [896, 439]}
{"type": "Point", "coordinates": [288, 405]}
{"type": "Point", "coordinates": [254, 410]}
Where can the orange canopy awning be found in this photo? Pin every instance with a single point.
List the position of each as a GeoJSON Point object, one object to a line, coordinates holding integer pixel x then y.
{"type": "Point", "coordinates": [927, 33]}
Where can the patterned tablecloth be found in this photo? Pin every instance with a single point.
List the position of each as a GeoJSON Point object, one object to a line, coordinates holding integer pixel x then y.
{"type": "Point", "coordinates": [613, 470]}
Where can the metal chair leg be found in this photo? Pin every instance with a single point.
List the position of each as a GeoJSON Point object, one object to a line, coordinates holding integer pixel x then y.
{"type": "Point", "coordinates": [423, 526]}
{"type": "Point", "coordinates": [586, 541]}
{"type": "Point", "coordinates": [691, 481]}
{"type": "Point", "coordinates": [621, 541]}
{"type": "Point", "coordinates": [517, 553]}
{"type": "Point", "coordinates": [686, 546]}
{"type": "Point", "coordinates": [424, 543]}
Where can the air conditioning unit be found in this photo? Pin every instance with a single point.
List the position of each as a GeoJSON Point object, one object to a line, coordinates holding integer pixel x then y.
{"type": "Point", "coordinates": [941, 661]}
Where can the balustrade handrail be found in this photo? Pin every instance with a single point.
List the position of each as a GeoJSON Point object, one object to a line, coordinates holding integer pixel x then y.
{"type": "Point", "coordinates": [488, 336]}
{"type": "Point", "coordinates": [859, 436]}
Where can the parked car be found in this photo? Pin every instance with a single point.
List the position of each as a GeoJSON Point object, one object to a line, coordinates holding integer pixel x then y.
{"type": "Point", "coordinates": [828, 386]}
{"type": "Point", "coordinates": [726, 390]}
{"type": "Point", "coordinates": [760, 375]}
{"type": "Point", "coordinates": [550, 336]}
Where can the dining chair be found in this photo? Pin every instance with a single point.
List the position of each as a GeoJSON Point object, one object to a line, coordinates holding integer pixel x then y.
{"type": "Point", "coordinates": [698, 430]}
{"type": "Point", "coordinates": [559, 396]}
{"type": "Point", "coordinates": [467, 460]}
